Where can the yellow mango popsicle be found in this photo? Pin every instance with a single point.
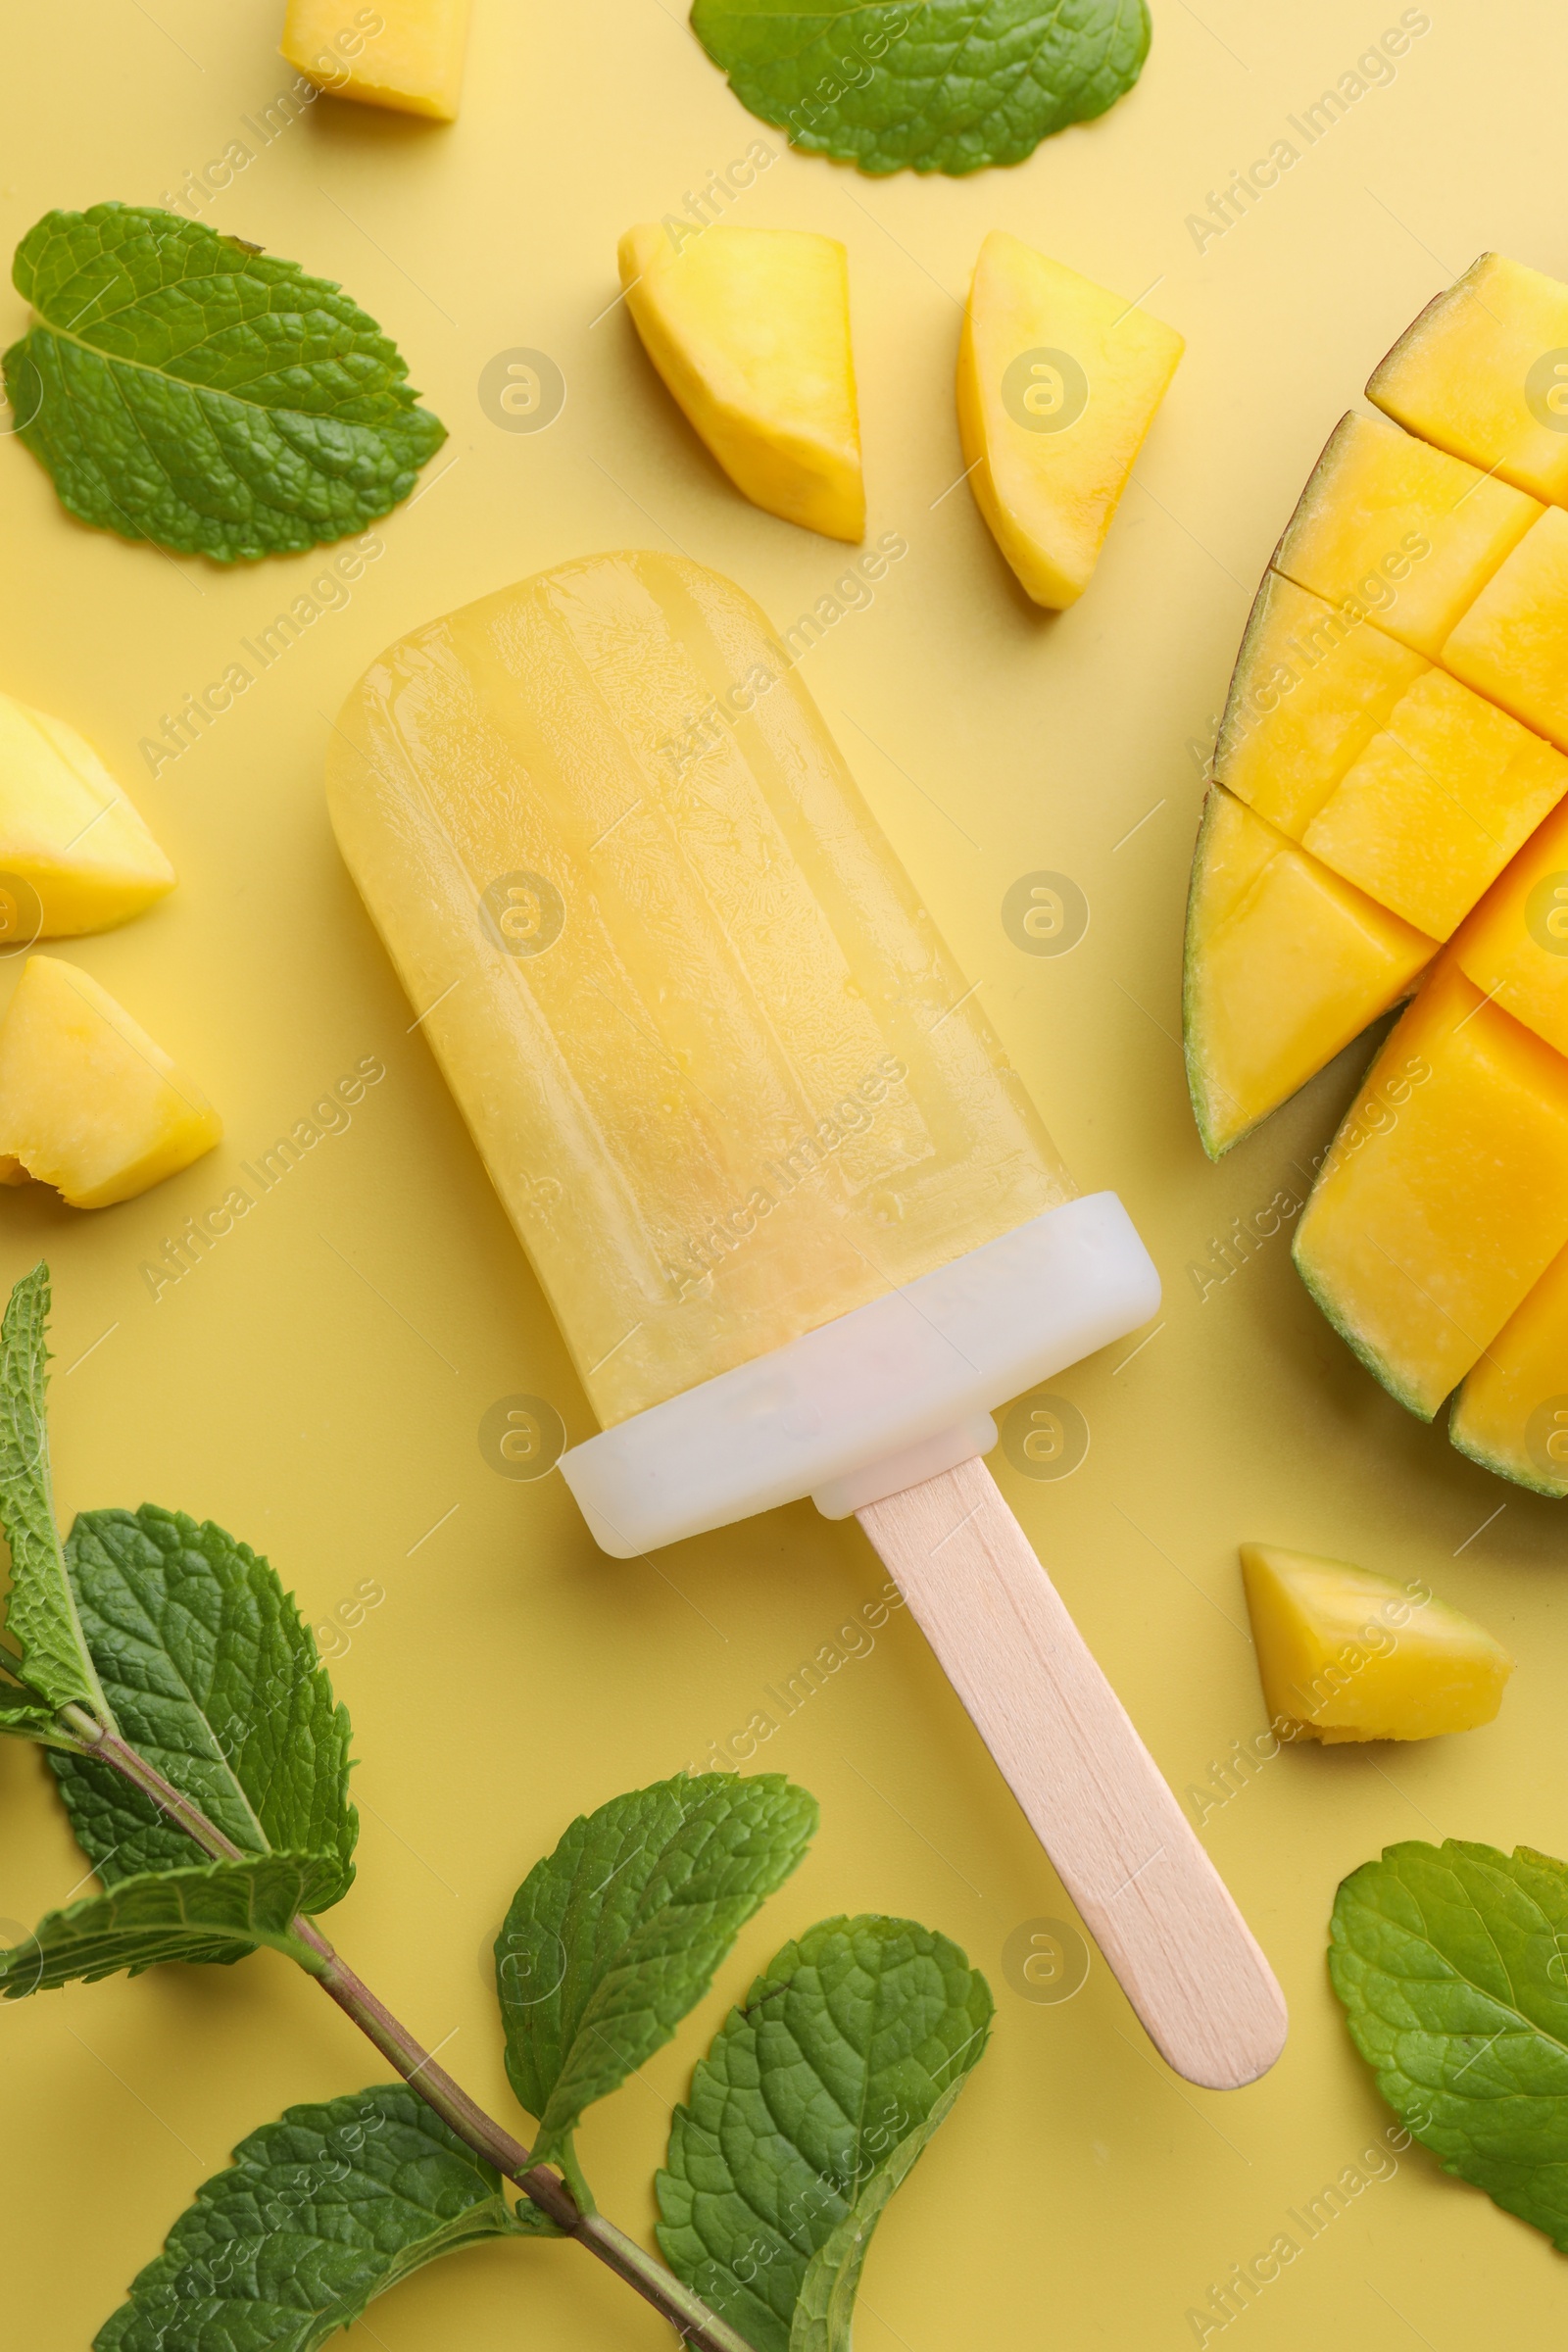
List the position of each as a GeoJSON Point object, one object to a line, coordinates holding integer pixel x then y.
{"type": "Point", "coordinates": [724, 1075]}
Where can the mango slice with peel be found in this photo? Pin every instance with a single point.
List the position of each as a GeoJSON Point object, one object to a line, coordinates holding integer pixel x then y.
{"type": "Point", "coordinates": [1511, 1414]}
{"type": "Point", "coordinates": [1512, 644]}
{"type": "Point", "coordinates": [750, 329]}
{"type": "Point", "coordinates": [75, 854]}
{"type": "Point", "coordinates": [1284, 964]}
{"type": "Point", "coordinates": [404, 54]}
{"type": "Point", "coordinates": [1390, 529]}
{"type": "Point", "coordinates": [1445, 1195]}
{"type": "Point", "coordinates": [1514, 945]}
{"type": "Point", "coordinates": [1347, 1654]}
{"type": "Point", "coordinates": [1482, 375]}
{"type": "Point", "coordinates": [1058, 380]}
{"type": "Point", "coordinates": [88, 1103]}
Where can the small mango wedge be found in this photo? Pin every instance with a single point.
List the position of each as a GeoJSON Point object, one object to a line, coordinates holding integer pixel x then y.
{"type": "Point", "coordinates": [750, 329]}
{"type": "Point", "coordinates": [403, 54]}
{"type": "Point", "coordinates": [88, 1103]}
{"type": "Point", "coordinates": [74, 855]}
{"type": "Point", "coordinates": [1058, 380]}
{"type": "Point", "coordinates": [1347, 1654]}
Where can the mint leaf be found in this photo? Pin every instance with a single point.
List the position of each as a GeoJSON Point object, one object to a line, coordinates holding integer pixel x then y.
{"type": "Point", "coordinates": [188, 388]}
{"type": "Point", "coordinates": [615, 1936]}
{"type": "Point", "coordinates": [214, 1680]}
{"type": "Point", "coordinates": [318, 2215]}
{"type": "Point", "coordinates": [215, 1911]}
{"type": "Point", "coordinates": [40, 1612]}
{"type": "Point", "coordinates": [929, 85]}
{"type": "Point", "coordinates": [815, 2099]}
{"type": "Point", "coordinates": [1451, 1964]}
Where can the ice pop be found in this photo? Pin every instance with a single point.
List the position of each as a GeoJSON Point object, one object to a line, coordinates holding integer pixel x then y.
{"type": "Point", "coordinates": [799, 1224]}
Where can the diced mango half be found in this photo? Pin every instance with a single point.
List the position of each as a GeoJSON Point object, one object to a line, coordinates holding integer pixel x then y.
{"type": "Point", "coordinates": [750, 329]}
{"type": "Point", "coordinates": [403, 54]}
{"type": "Point", "coordinates": [1511, 1414]}
{"type": "Point", "coordinates": [1484, 374]}
{"type": "Point", "coordinates": [1391, 529]}
{"type": "Point", "coordinates": [1444, 1194]}
{"type": "Point", "coordinates": [1515, 944]}
{"type": "Point", "coordinates": [88, 1103]}
{"type": "Point", "coordinates": [1345, 1653]}
{"type": "Point", "coordinates": [1058, 381]}
{"type": "Point", "coordinates": [1512, 644]}
{"type": "Point", "coordinates": [74, 855]}
{"type": "Point", "coordinates": [1284, 964]}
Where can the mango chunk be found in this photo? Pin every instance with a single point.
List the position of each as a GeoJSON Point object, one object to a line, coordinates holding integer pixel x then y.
{"type": "Point", "coordinates": [403, 54]}
{"type": "Point", "coordinates": [750, 329]}
{"type": "Point", "coordinates": [1344, 1653]}
{"type": "Point", "coordinates": [1512, 645]}
{"type": "Point", "coordinates": [1391, 529]}
{"type": "Point", "coordinates": [1310, 688]}
{"type": "Point", "coordinates": [88, 1103]}
{"type": "Point", "coordinates": [1484, 374]}
{"type": "Point", "coordinates": [1511, 1414]}
{"type": "Point", "coordinates": [1284, 964]}
{"type": "Point", "coordinates": [1058, 381]}
{"type": "Point", "coordinates": [1515, 944]}
{"type": "Point", "coordinates": [74, 855]}
{"type": "Point", "coordinates": [1437, 803]}
{"type": "Point", "coordinates": [1444, 1194]}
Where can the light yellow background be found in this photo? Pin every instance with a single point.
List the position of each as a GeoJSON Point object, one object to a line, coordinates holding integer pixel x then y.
{"type": "Point", "coordinates": [317, 1385]}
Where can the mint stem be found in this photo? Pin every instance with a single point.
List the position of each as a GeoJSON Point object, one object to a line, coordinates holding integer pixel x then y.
{"type": "Point", "coordinates": [687, 2313]}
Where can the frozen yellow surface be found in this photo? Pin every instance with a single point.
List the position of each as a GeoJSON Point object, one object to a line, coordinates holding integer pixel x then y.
{"type": "Point", "coordinates": [316, 1381]}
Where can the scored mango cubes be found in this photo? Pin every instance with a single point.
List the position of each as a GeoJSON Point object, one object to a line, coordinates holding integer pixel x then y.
{"type": "Point", "coordinates": [1484, 374]}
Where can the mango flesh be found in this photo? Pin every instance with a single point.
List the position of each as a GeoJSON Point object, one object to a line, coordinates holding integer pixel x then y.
{"type": "Point", "coordinates": [88, 1103]}
{"type": "Point", "coordinates": [68, 836]}
{"type": "Point", "coordinates": [1390, 528]}
{"type": "Point", "coordinates": [403, 54]}
{"type": "Point", "coordinates": [1445, 1195]}
{"type": "Point", "coordinates": [1484, 374]}
{"type": "Point", "coordinates": [1344, 1655]}
{"type": "Point", "coordinates": [1058, 380]}
{"type": "Point", "coordinates": [1511, 1414]}
{"type": "Point", "coordinates": [1512, 644]}
{"type": "Point", "coordinates": [750, 329]}
{"type": "Point", "coordinates": [1284, 964]}
{"type": "Point", "coordinates": [1515, 944]}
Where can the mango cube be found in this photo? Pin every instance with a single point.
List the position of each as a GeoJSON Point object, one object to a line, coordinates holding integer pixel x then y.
{"type": "Point", "coordinates": [750, 329]}
{"type": "Point", "coordinates": [1515, 944]}
{"type": "Point", "coordinates": [1484, 374]}
{"type": "Point", "coordinates": [1344, 1653]}
{"type": "Point", "coordinates": [74, 855]}
{"type": "Point", "coordinates": [1058, 380]}
{"type": "Point", "coordinates": [1444, 1194]}
{"type": "Point", "coordinates": [88, 1103]}
{"type": "Point", "coordinates": [1284, 964]}
{"type": "Point", "coordinates": [403, 54]}
{"type": "Point", "coordinates": [1391, 528]}
{"type": "Point", "coordinates": [1512, 645]}
{"type": "Point", "coordinates": [1511, 1414]}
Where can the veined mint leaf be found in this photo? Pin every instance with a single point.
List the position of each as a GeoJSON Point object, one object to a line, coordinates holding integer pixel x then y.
{"type": "Point", "coordinates": [213, 1678]}
{"type": "Point", "coordinates": [215, 1911]}
{"type": "Point", "coordinates": [1452, 1965]}
{"type": "Point", "coordinates": [188, 388]}
{"type": "Point", "coordinates": [815, 2099]}
{"type": "Point", "coordinates": [317, 2215]}
{"type": "Point", "coordinates": [928, 86]}
{"type": "Point", "coordinates": [615, 1936]}
{"type": "Point", "coordinates": [40, 1612]}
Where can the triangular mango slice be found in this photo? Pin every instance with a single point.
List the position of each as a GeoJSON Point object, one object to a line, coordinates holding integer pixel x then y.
{"type": "Point", "coordinates": [750, 329]}
{"type": "Point", "coordinates": [1058, 380]}
{"type": "Point", "coordinates": [1347, 1654]}
{"type": "Point", "coordinates": [74, 855]}
{"type": "Point", "coordinates": [88, 1103]}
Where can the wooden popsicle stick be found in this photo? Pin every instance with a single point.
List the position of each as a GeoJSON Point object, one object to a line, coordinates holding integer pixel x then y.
{"type": "Point", "coordinates": [1090, 1791]}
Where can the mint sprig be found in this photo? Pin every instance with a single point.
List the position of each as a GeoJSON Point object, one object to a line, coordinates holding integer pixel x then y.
{"type": "Point", "coordinates": [925, 85]}
{"type": "Point", "coordinates": [1451, 1963]}
{"type": "Point", "coordinates": [190, 389]}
